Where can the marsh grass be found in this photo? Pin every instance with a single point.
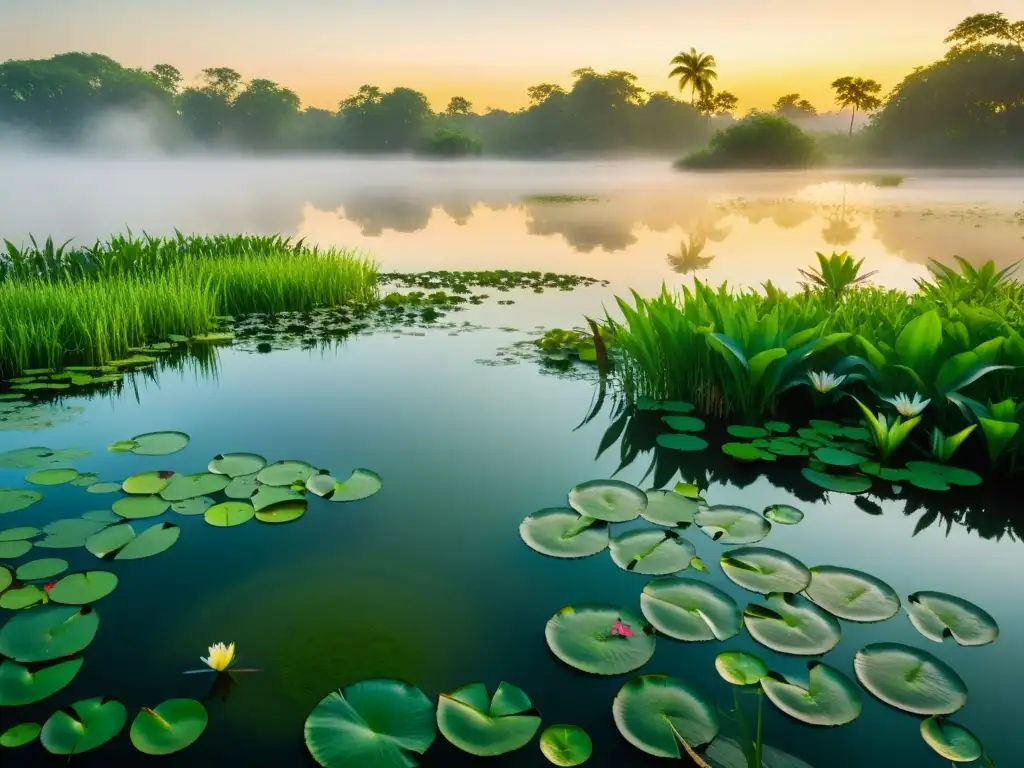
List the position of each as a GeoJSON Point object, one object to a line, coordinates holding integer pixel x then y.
{"type": "Point", "coordinates": [90, 305]}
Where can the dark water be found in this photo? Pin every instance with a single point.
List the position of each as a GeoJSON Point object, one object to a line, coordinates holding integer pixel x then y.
{"type": "Point", "coordinates": [428, 581]}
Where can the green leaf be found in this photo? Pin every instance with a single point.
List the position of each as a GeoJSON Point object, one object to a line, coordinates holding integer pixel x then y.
{"type": "Point", "coordinates": [566, 745]}
{"type": "Point", "coordinates": [670, 508]}
{"type": "Point", "coordinates": [829, 698]}
{"type": "Point", "coordinates": [757, 365]}
{"type": "Point", "coordinates": [938, 615]}
{"type": "Point", "coordinates": [689, 610]}
{"type": "Point", "coordinates": [562, 532]}
{"type": "Point", "coordinates": [654, 552]}
{"type": "Point", "coordinates": [792, 624]}
{"type": "Point", "coordinates": [852, 595]}
{"type": "Point", "coordinates": [740, 667]}
{"type": "Point", "coordinates": [610, 500]}
{"type": "Point", "coordinates": [228, 514]}
{"type": "Point", "coordinates": [919, 341]}
{"type": "Point", "coordinates": [19, 735]}
{"type": "Point", "coordinates": [729, 524]}
{"type": "Point", "coordinates": [682, 442]}
{"type": "Point", "coordinates": [48, 633]}
{"type": "Point", "coordinates": [910, 679]}
{"type": "Point", "coordinates": [951, 741]}
{"type": "Point", "coordinates": [998, 435]}
{"type": "Point", "coordinates": [19, 686]}
{"type": "Point", "coordinates": [764, 570]}
{"type": "Point", "coordinates": [169, 727]}
{"type": "Point", "coordinates": [83, 726]}
{"type": "Point", "coordinates": [483, 727]}
{"type": "Point", "coordinates": [656, 713]}
{"type": "Point", "coordinates": [581, 636]}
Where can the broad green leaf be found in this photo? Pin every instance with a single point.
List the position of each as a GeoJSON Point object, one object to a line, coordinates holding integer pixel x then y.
{"type": "Point", "coordinates": [484, 726]}
{"type": "Point", "coordinates": [610, 500]}
{"type": "Point", "coordinates": [919, 341]}
{"type": "Point", "coordinates": [583, 637]}
{"type": "Point", "coordinates": [169, 727]}
{"type": "Point", "coordinates": [655, 713]}
{"type": "Point", "coordinates": [566, 745]}
{"type": "Point", "coordinates": [561, 532]}
{"type": "Point", "coordinates": [829, 698]}
{"type": "Point", "coordinates": [910, 679]}
{"type": "Point", "coordinates": [689, 610]}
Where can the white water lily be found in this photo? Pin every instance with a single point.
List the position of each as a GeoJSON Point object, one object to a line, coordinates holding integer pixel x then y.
{"type": "Point", "coordinates": [823, 381]}
{"type": "Point", "coordinates": [906, 407]}
{"type": "Point", "coordinates": [220, 657]}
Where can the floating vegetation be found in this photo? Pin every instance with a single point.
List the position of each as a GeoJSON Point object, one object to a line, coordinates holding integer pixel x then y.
{"type": "Point", "coordinates": [951, 741]}
{"type": "Point", "coordinates": [852, 595]}
{"type": "Point", "coordinates": [829, 697]}
{"type": "Point", "coordinates": [19, 735]}
{"type": "Point", "coordinates": [361, 484]}
{"type": "Point", "coordinates": [765, 570]}
{"type": "Point", "coordinates": [286, 473]}
{"type": "Point", "coordinates": [559, 199]}
{"type": "Point", "coordinates": [783, 514]}
{"type": "Point", "coordinates": [670, 509]}
{"type": "Point", "coordinates": [48, 633]}
{"type": "Point", "coordinates": [498, 279]}
{"type": "Point", "coordinates": [375, 723]}
{"type": "Point", "coordinates": [566, 745]}
{"type": "Point", "coordinates": [183, 487]}
{"type": "Point", "coordinates": [740, 667]}
{"type": "Point", "coordinates": [40, 569]}
{"type": "Point", "coordinates": [19, 686]}
{"type": "Point", "coordinates": [14, 499]}
{"type": "Point", "coordinates": [937, 616]}
{"type": "Point", "coordinates": [140, 507]}
{"type": "Point", "coordinates": [158, 443]}
{"type": "Point", "coordinates": [83, 588]}
{"type": "Point", "coordinates": [229, 514]}
{"type": "Point", "coordinates": [652, 552]}
{"type": "Point", "coordinates": [663, 716]}
{"type": "Point", "coordinates": [610, 500]}
{"type": "Point", "coordinates": [732, 525]}
{"type": "Point", "coordinates": [487, 726]}
{"type": "Point", "coordinates": [168, 727]}
{"type": "Point", "coordinates": [910, 679]}
{"type": "Point", "coordinates": [600, 639]}
{"type": "Point", "coordinates": [236, 464]}
{"type": "Point", "coordinates": [83, 726]}
{"type": "Point", "coordinates": [792, 624]}
{"type": "Point", "coordinates": [51, 476]}
{"type": "Point", "coordinates": [562, 532]}
{"type": "Point", "coordinates": [120, 542]}
{"type": "Point", "coordinates": [147, 484]}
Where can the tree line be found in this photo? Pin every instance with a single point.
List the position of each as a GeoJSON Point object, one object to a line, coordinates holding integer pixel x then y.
{"type": "Point", "coordinates": [970, 104]}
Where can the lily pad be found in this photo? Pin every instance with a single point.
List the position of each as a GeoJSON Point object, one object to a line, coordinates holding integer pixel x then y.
{"type": "Point", "coordinates": [746, 452]}
{"type": "Point", "coordinates": [655, 712]}
{"type": "Point", "coordinates": [169, 727]}
{"type": "Point", "coordinates": [829, 698]}
{"type": "Point", "coordinates": [566, 745]}
{"type": "Point", "coordinates": [159, 443]}
{"type": "Point", "coordinates": [242, 487]}
{"type": "Point", "coordinates": [286, 512]}
{"type": "Point", "coordinates": [681, 441]}
{"type": "Point", "coordinates": [182, 487]}
{"type": "Point", "coordinates": [41, 569]}
{"type": "Point", "coordinates": [229, 514]}
{"type": "Point", "coordinates": [951, 741]}
{"type": "Point", "coordinates": [69, 533]}
{"type": "Point", "coordinates": [786, 447]}
{"type": "Point", "coordinates": [375, 723]}
{"type": "Point", "coordinates": [21, 597]}
{"type": "Point", "coordinates": [852, 595]}
{"type": "Point", "coordinates": [19, 534]}
{"type": "Point", "coordinates": [792, 624]}
{"type": "Point", "coordinates": [47, 633]}
{"type": "Point", "coordinates": [740, 667]}
{"type": "Point", "coordinates": [107, 542]}
{"type": "Point", "coordinates": [837, 483]}
{"type": "Point", "coordinates": [937, 616]}
{"type": "Point", "coordinates": [51, 476]}
{"type": "Point", "coordinates": [140, 507]}
{"type": "Point", "coordinates": [6, 577]}
{"type": "Point", "coordinates": [268, 497]}
{"type": "Point", "coordinates": [690, 610]}
{"type": "Point", "coordinates": [949, 474]}
{"type": "Point", "coordinates": [236, 464]}
{"type": "Point", "coordinates": [194, 506]}
{"type": "Point", "coordinates": [19, 686]}
{"type": "Point", "coordinates": [746, 432]}
{"type": "Point", "coordinates": [561, 532]}
{"type": "Point", "coordinates": [610, 500]}
{"type": "Point", "coordinates": [487, 726]}
{"type": "Point", "coordinates": [86, 479]}
{"type": "Point", "coordinates": [777, 427]}
{"type": "Point", "coordinates": [83, 588]}
{"type": "Point", "coordinates": [147, 483]}
{"type": "Point", "coordinates": [652, 552]}
{"type": "Point", "coordinates": [83, 726]}
{"type": "Point", "coordinates": [732, 525]}
{"type": "Point", "coordinates": [361, 484]}
{"type": "Point", "coordinates": [19, 735]}
{"type": "Point", "coordinates": [286, 473]}
{"type": "Point", "coordinates": [670, 509]}
{"type": "Point", "coordinates": [590, 638]}
{"type": "Point", "coordinates": [104, 488]}
{"type": "Point", "coordinates": [765, 570]}
{"type": "Point", "coordinates": [119, 542]}
{"type": "Point", "coordinates": [122, 446]}
{"type": "Point", "coordinates": [15, 499]}
{"type": "Point", "coordinates": [783, 514]}
{"type": "Point", "coordinates": [684, 423]}
{"type": "Point", "coordinates": [910, 679]}
{"type": "Point", "coordinates": [9, 550]}
{"type": "Point", "coordinates": [101, 516]}
{"type": "Point", "coordinates": [839, 457]}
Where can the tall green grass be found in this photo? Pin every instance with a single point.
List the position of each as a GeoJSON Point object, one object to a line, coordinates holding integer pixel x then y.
{"type": "Point", "coordinates": [90, 305]}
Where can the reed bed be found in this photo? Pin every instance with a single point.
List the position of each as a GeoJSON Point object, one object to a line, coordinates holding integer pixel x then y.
{"type": "Point", "coordinates": [89, 305]}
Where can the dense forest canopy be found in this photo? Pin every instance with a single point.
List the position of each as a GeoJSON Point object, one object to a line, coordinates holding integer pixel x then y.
{"type": "Point", "coordinates": [969, 105]}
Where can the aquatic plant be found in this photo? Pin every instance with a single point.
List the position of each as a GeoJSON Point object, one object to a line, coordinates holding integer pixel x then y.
{"type": "Point", "coordinates": [836, 274]}
{"type": "Point", "coordinates": [559, 199]}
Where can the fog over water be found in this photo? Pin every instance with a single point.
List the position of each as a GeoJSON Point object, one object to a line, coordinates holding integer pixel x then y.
{"type": "Point", "coordinates": [650, 223]}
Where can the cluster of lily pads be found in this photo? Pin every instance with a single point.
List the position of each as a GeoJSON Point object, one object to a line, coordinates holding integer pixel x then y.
{"type": "Point", "coordinates": [498, 279]}
{"type": "Point", "coordinates": [840, 457]}
{"type": "Point", "coordinates": [798, 614]}
{"type": "Point", "coordinates": [56, 620]}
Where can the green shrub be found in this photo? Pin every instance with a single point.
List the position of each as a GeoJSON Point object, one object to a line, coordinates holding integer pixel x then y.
{"type": "Point", "coordinates": [758, 141]}
{"type": "Point", "coordinates": [448, 142]}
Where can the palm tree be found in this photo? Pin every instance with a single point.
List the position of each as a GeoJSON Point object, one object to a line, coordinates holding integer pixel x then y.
{"type": "Point", "coordinates": [696, 71]}
{"type": "Point", "coordinates": [857, 92]}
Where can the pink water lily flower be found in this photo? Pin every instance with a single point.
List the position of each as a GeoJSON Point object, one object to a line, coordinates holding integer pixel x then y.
{"type": "Point", "coordinates": [620, 629]}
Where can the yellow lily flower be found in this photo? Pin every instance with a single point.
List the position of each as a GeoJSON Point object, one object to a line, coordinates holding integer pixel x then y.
{"type": "Point", "coordinates": [220, 657]}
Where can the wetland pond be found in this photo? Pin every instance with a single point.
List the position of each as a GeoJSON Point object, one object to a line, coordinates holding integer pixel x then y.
{"type": "Point", "coordinates": [428, 579]}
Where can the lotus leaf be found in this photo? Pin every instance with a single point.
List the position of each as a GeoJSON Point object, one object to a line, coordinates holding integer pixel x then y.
{"type": "Point", "coordinates": [14, 499]}
{"type": "Point", "coordinates": [19, 534]}
{"type": "Point", "coordinates": [194, 506]}
{"type": "Point", "coordinates": [670, 509]}
{"type": "Point", "coordinates": [951, 475]}
{"type": "Point", "coordinates": [745, 432]}
{"type": "Point", "coordinates": [19, 686]}
{"type": "Point", "coordinates": [148, 483]}
{"type": "Point", "coordinates": [951, 741]}
{"type": "Point", "coordinates": [51, 476]}
{"type": "Point", "coordinates": [140, 507]}
{"type": "Point", "coordinates": [41, 569]}
{"type": "Point", "coordinates": [740, 667]}
{"type": "Point", "coordinates": [684, 423]}
{"type": "Point", "coordinates": [104, 488]}
{"type": "Point", "coordinates": [83, 588]}
{"type": "Point", "coordinates": [285, 473]}
{"type": "Point", "coordinates": [829, 698]}
{"type": "Point", "coordinates": [6, 577]}
{"type": "Point", "coordinates": [242, 487]}
{"type": "Point", "coordinates": [746, 452]}
{"type": "Point", "coordinates": [236, 464]}
{"type": "Point", "coordinates": [655, 712]}
{"type": "Point", "coordinates": [561, 532]}
{"type": "Point", "coordinates": [610, 500]}
{"type": "Point", "coordinates": [285, 512]}
{"type": "Point", "coordinates": [159, 443]}
{"type": "Point", "coordinates": [839, 457]}
{"type": "Point", "coordinates": [48, 633]}
{"type": "Point", "coordinates": [487, 726]}
{"type": "Point", "coordinates": [937, 616]}
{"type": "Point", "coordinates": [375, 723]}
{"type": "Point", "coordinates": [777, 427]}
{"type": "Point", "coordinates": [837, 483]}
{"type": "Point", "coordinates": [182, 487]}
{"type": "Point", "coordinates": [86, 479]}
{"type": "Point", "coordinates": [910, 679]}
{"type": "Point", "coordinates": [681, 442]}
{"type": "Point", "coordinates": [229, 514]}
{"type": "Point", "coordinates": [600, 639]}
{"type": "Point", "coordinates": [83, 726]}
{"type": "Point", "coordinates": [783, 514]}
{"type": "Point", "coordinates": [21, 597]}
{"type": "Point", "coordinates": [690, 610]}
{"type": "Point", "coordinates": [652, 552]}
{"type": "Point", "coordinates": [268, 496]}
{"type": "Point", "coordinates": [732, 525]}
{"type": "Point", "coordinates": [169, 727]}
{"type": "Point", "coordinates": [852, 595]}
{"type": "Point", "coordinates": [792, 624]}
{"type": "Point", "coordinates": [566, 745]}
{"type": "Point", "coordinates": [119, 542]}
{"type": "Point", "coordinates": [10, 550]}
{"type": "Point", "coordinates": [19, 735]}
{"type": "Point", "coordinates": [361, 484]}
{"type": "Point", "coordinates": [765, 570]}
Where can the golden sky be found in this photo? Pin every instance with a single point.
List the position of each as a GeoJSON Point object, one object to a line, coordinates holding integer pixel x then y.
{"type": "Point", "coordinates": [490, 52]}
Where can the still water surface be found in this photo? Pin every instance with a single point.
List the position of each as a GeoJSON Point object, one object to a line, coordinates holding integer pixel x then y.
{"type": "Point", "coordinates": [428, 581]}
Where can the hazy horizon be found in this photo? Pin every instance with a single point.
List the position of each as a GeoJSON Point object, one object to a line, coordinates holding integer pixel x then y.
{"type": "Point", "coordinates": [325, 52]}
